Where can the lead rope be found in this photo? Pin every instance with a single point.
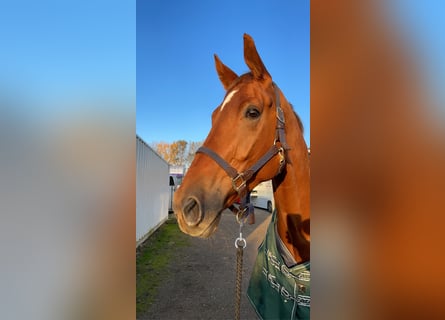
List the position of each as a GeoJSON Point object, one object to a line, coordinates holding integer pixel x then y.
{"type": "Point", "coordinates": [240, 244]}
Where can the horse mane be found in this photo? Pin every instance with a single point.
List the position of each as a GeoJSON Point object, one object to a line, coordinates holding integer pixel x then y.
{"type": "Point", "coordinates": [300, 123]}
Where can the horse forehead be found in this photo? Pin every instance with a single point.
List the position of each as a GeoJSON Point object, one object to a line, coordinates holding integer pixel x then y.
{"type": "Point", "coordinates": [245, 92]}
{"type": "Point", "coordinates": [227, 99]}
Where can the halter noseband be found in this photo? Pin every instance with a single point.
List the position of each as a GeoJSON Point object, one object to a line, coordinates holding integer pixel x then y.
{"type": "Point", "coordinates": [239, 180]}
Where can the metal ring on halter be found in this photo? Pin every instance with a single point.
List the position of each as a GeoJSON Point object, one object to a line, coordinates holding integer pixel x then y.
{"type": "Point", "coordinates": [240, 217]}
{"type": "Point", "coordinates": [240, 241]}
{"type": "Point", "coordinates": [281, 154]}
{"type": "Point", "coordinates": [275, 141]}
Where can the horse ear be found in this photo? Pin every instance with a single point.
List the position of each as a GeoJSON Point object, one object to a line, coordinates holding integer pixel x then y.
{"type": "Point", "coordinates": [225, 74]}
{"type": "Point", "coordinates": [253, 60]}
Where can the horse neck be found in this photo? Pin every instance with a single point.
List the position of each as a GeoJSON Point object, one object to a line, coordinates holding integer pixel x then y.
{"type": "Point", "coordinates": [292, 198]}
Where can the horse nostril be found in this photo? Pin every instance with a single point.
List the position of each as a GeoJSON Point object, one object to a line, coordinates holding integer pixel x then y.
{"type": "Point", "coordinates": [192, 212]}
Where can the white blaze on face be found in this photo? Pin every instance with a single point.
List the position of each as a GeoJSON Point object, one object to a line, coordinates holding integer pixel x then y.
{"type": "Point", "coordinates": [227, 99]}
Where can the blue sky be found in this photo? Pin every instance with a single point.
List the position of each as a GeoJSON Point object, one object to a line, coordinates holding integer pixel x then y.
{"type": "Point", "coordinates": [177, 85]}
{"type": "Point", "coordinates": [58, 53]}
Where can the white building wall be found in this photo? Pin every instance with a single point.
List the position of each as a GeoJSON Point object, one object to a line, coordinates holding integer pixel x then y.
{"type": "Point", "coordinates": [152, 190]}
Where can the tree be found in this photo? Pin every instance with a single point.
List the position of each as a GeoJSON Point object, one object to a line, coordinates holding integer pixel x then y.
{"type": "Point", "coordinates": [178, 153]}
{"type": "Point", "coordinates": [163, 149]}
{"type": "Point", "coordinates": [193, 147]}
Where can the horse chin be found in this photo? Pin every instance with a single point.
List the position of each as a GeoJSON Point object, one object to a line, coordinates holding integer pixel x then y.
{"type": "Point", "coordinates": [211, 227]}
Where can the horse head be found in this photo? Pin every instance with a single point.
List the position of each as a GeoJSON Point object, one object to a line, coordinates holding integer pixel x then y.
{"type": "Point", "coordinates": [243, 148]}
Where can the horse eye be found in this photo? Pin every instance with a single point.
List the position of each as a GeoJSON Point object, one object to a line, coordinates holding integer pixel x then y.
{"type": "Point", "coordinates": [252, 113]}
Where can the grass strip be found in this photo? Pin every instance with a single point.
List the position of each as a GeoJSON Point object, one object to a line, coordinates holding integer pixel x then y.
{"type": "Point", "coordinates": [152, 260]}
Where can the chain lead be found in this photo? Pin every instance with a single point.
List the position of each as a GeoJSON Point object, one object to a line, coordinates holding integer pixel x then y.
{"type": "Point", "coordinates": [240, 244]}
{"type": "Point", "coordinates": [240, 241]}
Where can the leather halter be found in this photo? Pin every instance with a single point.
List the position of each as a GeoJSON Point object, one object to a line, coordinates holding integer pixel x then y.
{"type": "Point", "coordinates": [239, 180]}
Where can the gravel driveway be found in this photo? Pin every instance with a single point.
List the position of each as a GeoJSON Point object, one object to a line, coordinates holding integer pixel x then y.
{"type": "Point", "coordinates": [201, 284]}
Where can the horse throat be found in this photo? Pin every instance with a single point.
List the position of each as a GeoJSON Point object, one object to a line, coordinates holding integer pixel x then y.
{"type": "Point", "coordinates": [292, 198]}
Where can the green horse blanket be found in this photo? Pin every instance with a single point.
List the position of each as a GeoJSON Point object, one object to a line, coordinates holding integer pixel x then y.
{"type": "Point", "coordinates": [276, 291]}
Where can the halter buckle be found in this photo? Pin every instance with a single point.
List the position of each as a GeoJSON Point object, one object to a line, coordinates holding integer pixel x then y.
{"type": "Point", "coordinates": [238, 183]}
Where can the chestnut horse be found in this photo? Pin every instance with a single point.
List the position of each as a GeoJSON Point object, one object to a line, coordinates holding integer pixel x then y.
{"type": "Point", "coordinates": [256, 131]}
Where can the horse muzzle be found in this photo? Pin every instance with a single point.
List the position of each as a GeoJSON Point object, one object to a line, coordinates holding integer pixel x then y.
{"type": "Point", "coordinates": [197, 216]}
